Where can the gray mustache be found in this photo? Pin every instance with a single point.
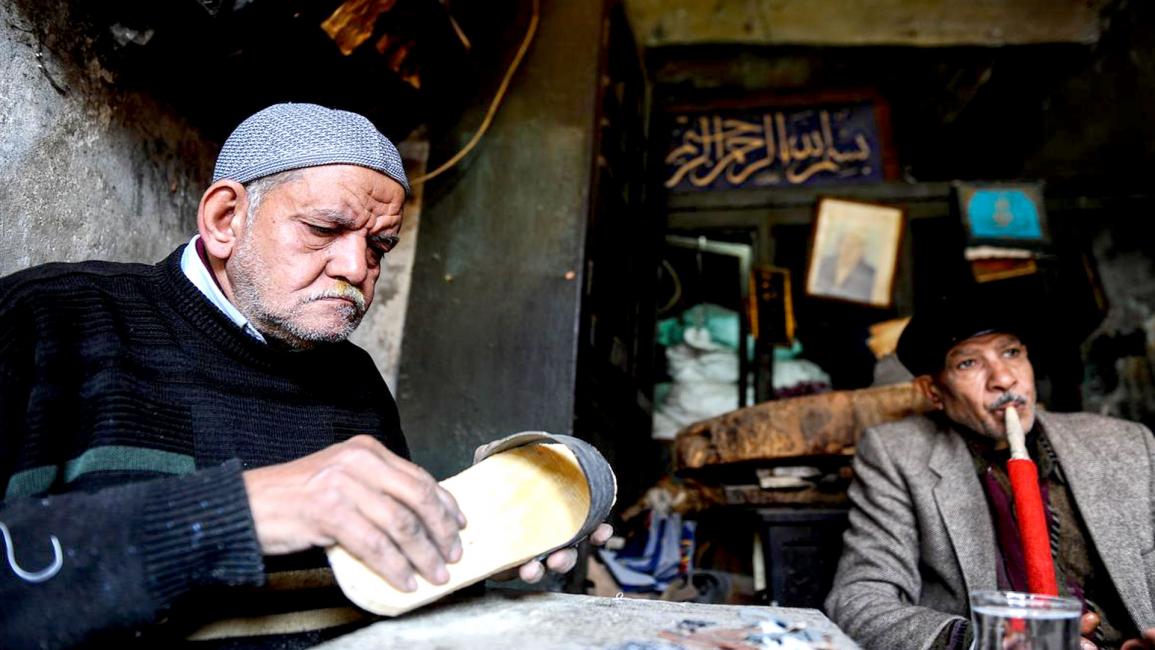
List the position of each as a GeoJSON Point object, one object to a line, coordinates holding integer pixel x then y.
{"type": "Point", "coordinates": [343, 290]}
{"type": "Point", "coordinates": [1005, 399]}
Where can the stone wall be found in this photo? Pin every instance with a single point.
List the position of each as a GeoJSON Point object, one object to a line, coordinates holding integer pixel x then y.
{"type": "Point", "coordinates": [86, 170]}
{"type": "Point", "coordinates": [93, 169]}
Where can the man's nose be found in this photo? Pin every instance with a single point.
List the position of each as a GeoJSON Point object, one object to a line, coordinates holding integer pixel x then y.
{"type": "Point", "coordinates": [347, 259]}
{"type": "Point", "coordinates": [1001, 377]}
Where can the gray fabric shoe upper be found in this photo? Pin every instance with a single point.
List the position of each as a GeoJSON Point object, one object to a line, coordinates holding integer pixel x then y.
{"type": "Point", "coordinates": [599, 475]}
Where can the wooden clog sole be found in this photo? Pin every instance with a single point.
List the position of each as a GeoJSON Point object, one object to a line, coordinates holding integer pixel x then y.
{"type": "Point", "coordinates": [520, 503]}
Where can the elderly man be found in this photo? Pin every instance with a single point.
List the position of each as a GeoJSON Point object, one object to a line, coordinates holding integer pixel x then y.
{"type": "Point", "coordinates": [177, 439]}
{"type": "Point", "coordinates": [932, 517]}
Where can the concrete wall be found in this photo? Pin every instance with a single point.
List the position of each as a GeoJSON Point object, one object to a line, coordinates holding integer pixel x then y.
{"type": "Point", "coordinates": [491, 333]}
{"type": "Point", "coordinates": [86, 171]}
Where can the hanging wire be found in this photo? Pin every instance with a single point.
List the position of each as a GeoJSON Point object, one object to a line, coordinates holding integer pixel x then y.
{"type": "Point", "coordinates": [677, 292]}
{"type": "Point", "coordinates": [493, 105]}
{"type": "Point", "coordinates": [700, 321]}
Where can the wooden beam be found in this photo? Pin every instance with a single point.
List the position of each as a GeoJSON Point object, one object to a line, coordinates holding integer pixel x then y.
{"type": "Point", "coordinates": [928, 23]}
{"type": "Point", "coordinates": [812, 425]}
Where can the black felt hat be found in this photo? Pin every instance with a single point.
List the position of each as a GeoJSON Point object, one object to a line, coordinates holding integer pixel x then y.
{"type": "Point", "coordinates": [950, 318]}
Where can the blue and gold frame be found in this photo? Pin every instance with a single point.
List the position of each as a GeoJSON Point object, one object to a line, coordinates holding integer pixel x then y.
{"type": "Point", "coordinates": [1009, 215]}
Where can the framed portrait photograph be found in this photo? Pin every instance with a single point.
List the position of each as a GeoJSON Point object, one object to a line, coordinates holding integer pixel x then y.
{"type": "Point", "coordinates": [1009, 215]}
{"type": "Point", "coordinates": [855, 251]}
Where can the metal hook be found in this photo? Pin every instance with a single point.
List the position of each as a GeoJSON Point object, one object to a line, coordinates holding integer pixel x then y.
{"type": "Point", "coordinates": [33, 576]}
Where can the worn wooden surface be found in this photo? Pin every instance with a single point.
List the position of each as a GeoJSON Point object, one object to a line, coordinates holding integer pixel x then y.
{"type": "Point", "coordinates": [812, 425]}
{"type": "Point", "coordinates": [353, 22]}
{"type": "Point", "coordinates": [660, 23]}
{"type": "Point", "coordinates": [552, 621]}
{"type": "Point", "coordinates": [753, 495]}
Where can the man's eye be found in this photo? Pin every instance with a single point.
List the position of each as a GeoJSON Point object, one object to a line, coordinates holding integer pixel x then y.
{"type": "Point", "coordinates": [322, 231]}
{"type": "Point", "coordinates": [965, 364]}
{"type": "Point", "coordinates": [1013, 352]}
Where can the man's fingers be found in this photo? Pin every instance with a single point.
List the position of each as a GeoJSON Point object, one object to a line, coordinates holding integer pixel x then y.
{"type": "Point", "coordinates": [601, 535]}
{"type": "Point", "coordinates": [368, 544]}
{"type": "Point", "coordinates": [531, 571]}
{"type": "Point", "coordinates": [390, 475]}
{"type": "Point", "coordinates": [1088, 623]}
{"type": "Point", "coordinates": [562, 561]}
{"type": "Point", "coordinates": [417, 473]}
{"type": "Point", "coordinates": [405, 532]}
{"type": "Point", "coordinates": [1145, 643]}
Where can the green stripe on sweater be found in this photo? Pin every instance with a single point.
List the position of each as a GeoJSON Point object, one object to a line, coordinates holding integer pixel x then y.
{"type": "Point", "coordinates": [100, 459]}
{"type": "Point", "coordinates": [30, 481]}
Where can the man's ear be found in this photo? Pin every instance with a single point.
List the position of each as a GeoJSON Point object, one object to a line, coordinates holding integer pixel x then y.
{"type": "Point", "coordinates": [929, 390]}
{"type": "Point", "coordinates": [221, 217]}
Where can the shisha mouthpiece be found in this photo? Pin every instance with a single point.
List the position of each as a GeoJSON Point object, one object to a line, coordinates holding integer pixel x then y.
{"type": "Point", "coordinates": [1016, 438]}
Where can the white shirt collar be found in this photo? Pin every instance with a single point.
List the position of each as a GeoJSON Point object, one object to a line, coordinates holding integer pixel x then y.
{"type": "Point", "coordinates": [197, 273]}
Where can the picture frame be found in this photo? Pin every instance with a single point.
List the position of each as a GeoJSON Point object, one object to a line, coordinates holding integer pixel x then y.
{"type": "Point", "coordinates": [854, 251]}
{"type": "Point", "coordinates": [1003, 214]}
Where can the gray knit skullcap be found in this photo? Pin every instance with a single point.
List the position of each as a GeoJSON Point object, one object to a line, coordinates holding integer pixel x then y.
{"type": "Point", "coordinates": [292, 136]}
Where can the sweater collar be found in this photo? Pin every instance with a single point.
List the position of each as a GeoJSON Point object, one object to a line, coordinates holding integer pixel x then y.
{"type": "Point", "coordinates": [195, 268]}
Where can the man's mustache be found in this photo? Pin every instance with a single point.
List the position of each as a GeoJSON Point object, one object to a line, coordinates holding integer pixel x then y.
{"type": "Point", "coordinates": [342, 290]}
{"type": "Point", "coordinates": [1007, 398]}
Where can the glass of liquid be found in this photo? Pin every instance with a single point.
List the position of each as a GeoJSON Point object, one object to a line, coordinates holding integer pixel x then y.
{"type": "Point", "coordinates": [1009, 620]}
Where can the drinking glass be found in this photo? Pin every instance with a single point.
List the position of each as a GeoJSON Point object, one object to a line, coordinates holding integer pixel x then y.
{"type": "Point", "coordinates": [1009, 620]}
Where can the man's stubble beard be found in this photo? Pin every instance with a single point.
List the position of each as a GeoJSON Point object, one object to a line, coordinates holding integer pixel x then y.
{"type": "Point", "coordinates": [251, 286]}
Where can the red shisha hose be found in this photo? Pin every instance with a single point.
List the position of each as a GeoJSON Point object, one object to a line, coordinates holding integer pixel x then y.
{"type": "Point", "coordinates": [1029, 510]}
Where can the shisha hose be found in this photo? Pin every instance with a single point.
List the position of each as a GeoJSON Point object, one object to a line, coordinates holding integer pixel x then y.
{"type": "Point", "coordinates": [1029, 510]}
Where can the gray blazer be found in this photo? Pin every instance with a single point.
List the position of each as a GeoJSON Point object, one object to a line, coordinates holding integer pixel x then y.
{"type": "Point", "coordinates": [921, 536]}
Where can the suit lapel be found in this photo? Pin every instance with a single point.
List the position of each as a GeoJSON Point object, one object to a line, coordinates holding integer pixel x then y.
{"type": "Point", "coordinates": [963, 509]}
{"type": "Point", "coordinates": [1107, 502]}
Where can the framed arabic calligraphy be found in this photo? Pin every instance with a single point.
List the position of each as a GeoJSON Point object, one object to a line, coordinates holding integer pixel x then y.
{"type": "Point", "coordinates": [854, 251]}
{"type": "Point", "coordinates": [784, 142]}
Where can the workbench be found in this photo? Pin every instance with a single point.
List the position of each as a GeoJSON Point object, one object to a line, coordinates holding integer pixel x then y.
{"type": "Point", "coordinates": [556, 621]}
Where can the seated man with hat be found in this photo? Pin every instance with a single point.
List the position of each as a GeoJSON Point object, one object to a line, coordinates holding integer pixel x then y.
{"type": "Point", "coordinates": [932, 517]}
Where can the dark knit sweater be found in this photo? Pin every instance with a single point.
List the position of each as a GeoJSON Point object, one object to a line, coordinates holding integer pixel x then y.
{"type": "Point", "coordinates": [129, 406]}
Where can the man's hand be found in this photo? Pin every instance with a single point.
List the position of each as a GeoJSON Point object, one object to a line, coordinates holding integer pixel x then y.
{"type": "Point", "coordinates": [560, 561]}
{"type": "Point", "coordinates": [1090, 621]}
{"type": "Point", "coordinates": [386, 511]}
{"type": "Point", "coordinates": [1145, 643]}
{"type": "Point", "coordinates": [1087, 625]}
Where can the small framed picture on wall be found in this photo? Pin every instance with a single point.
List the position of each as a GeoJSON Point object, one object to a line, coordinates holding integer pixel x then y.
{"type": "Point", "coordinates": [1005, 215]}
{"type": "Point", "coordinates": [854, 251]}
